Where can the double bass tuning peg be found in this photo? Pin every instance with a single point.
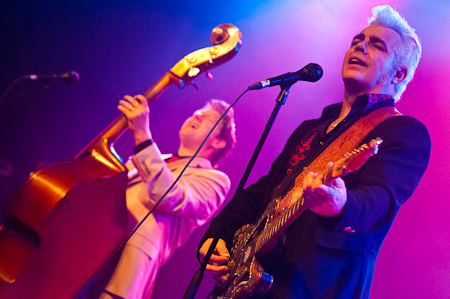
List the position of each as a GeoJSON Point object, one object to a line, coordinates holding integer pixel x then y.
{"type": "Point", "coordinates": [219, 35]}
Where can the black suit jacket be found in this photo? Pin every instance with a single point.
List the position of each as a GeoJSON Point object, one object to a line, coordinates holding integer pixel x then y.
{"type": "Point", "coordinates": [335, 257]}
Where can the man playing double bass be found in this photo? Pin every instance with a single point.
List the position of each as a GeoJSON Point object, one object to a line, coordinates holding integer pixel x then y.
{"type": "Point", "coordinates": [190, 203]}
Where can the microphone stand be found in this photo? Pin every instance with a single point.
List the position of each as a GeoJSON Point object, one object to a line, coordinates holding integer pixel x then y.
{"type": "Point", "coordinates": [5, 100]}
{"type": "Point", "coordinates": [198, 276]}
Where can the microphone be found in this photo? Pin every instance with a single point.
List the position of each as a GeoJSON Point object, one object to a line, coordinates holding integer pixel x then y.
{"type": "Point", "coordinates": [311, 73]}
{"type": "Point", "coordinates": [69, 77]}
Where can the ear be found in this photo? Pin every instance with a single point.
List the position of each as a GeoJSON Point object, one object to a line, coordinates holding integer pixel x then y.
{"type": "Point", "coordinates": [218, 143]}
{"type": "Point", "coordinates": [400, 76]}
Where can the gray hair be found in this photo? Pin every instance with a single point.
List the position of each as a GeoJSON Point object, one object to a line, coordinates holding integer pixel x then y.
{"type": "Point", "coordinates": [407, 54]}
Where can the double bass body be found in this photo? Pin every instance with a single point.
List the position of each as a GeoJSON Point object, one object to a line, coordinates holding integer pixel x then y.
{"type": "Point", "coordinates": [62, 226]}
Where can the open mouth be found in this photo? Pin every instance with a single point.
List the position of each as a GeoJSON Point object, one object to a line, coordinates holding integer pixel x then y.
{"type": "Point", "coordinates": [356, 61]}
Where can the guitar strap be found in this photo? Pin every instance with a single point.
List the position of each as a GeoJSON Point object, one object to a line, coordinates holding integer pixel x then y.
{"type": "Point", "coordinates": [345, 143]}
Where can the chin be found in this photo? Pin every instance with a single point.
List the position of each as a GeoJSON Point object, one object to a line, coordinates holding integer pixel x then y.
{"type": "Point", "coordinates": [353, 80]}
{"type": "Point", "coordinates": [355, 85]}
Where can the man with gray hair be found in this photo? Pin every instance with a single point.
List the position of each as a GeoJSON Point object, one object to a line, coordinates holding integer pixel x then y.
{"type": "Point", "coordinates": [329, 248]}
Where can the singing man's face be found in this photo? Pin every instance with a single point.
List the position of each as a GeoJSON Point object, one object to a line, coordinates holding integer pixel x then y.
{"type": "Point", "coordinates": [196, 127]}
{"type": "Point", "coordinates": [369, 64]}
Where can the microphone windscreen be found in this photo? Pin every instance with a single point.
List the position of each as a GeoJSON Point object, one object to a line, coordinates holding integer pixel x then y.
{"type": "Point", "coordinates": [311, 73]}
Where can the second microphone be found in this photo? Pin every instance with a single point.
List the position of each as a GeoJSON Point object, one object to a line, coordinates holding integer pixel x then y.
{"type": "Point", "coordinates": [311, 73]}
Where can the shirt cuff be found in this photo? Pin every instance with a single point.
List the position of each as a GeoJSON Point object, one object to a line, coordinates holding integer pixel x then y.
{"type": "Point", "coordinates": [142, 145]}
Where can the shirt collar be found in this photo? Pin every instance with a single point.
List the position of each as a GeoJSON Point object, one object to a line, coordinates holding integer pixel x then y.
{"type": "Point", "coordinates": [362, 103]}
{"type": "Point", "coordinates": [174, 161]}
{"type": "Point", "coordinates": [175, 157]}
{"type": "Point", "coordinates": [366, 101]}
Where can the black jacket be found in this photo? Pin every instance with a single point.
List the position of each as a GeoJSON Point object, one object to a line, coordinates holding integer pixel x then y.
{"type": "Point", "coordinates": [335, 257]}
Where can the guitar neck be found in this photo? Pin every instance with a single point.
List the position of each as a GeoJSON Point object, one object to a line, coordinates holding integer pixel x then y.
{"type": "Point", "coordinates": [350, 162]}
{"type": "Point", "coordinates": [117, 127]}
{"type": "Point", "coordinates": [269, 236]}
{"type": "Point", "coordinates": [283, 219]}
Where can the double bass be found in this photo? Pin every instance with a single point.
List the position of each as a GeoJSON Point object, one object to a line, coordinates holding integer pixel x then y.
{"type": "Point", "coordinates": [68, 219]}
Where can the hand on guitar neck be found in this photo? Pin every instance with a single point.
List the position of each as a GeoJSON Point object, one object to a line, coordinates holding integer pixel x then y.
{"type": "Point", "coordinates": [324, 199]}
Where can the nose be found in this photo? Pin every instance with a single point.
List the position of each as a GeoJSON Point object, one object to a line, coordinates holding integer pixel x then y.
{"type": "Point", "coordinates": [362, 47]}
{"type": "Point", "coordinates": [198, 115]}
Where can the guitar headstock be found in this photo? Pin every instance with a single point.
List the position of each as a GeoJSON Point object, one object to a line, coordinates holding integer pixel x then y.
{"type": "Point", "coordinates": [353, 160]}
{"type": "Point", "coordinates": [227, 40]}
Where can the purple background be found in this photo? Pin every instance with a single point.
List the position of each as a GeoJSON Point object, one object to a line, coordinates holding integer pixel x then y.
{"type": "Point", "coordinates": [124, 47]}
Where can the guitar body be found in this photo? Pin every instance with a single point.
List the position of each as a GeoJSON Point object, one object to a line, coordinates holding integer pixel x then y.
{"type": "Point", "coordinates": [247, 278]}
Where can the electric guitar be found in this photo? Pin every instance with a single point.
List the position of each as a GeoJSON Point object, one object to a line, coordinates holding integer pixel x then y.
{"type": "Point", "coordinates": [247, 277]}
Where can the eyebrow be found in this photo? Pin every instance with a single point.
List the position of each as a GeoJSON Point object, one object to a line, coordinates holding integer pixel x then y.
{"type": "Point", "coordinates": [210, 116]}
{"type": "Point", "coordinates": [359, 36]}
{"type": "Point", "coordinates": [373, 38]}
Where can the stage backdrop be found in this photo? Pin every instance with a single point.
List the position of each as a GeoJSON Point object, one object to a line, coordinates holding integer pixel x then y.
{"type": "Point", "coordinates": [123, 47]}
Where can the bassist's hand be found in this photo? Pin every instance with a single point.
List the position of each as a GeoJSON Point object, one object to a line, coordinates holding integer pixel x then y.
{"type": "Point", "coordinates": [137, 112]}
{"type": "Point", "coordinates": [217, 264]}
